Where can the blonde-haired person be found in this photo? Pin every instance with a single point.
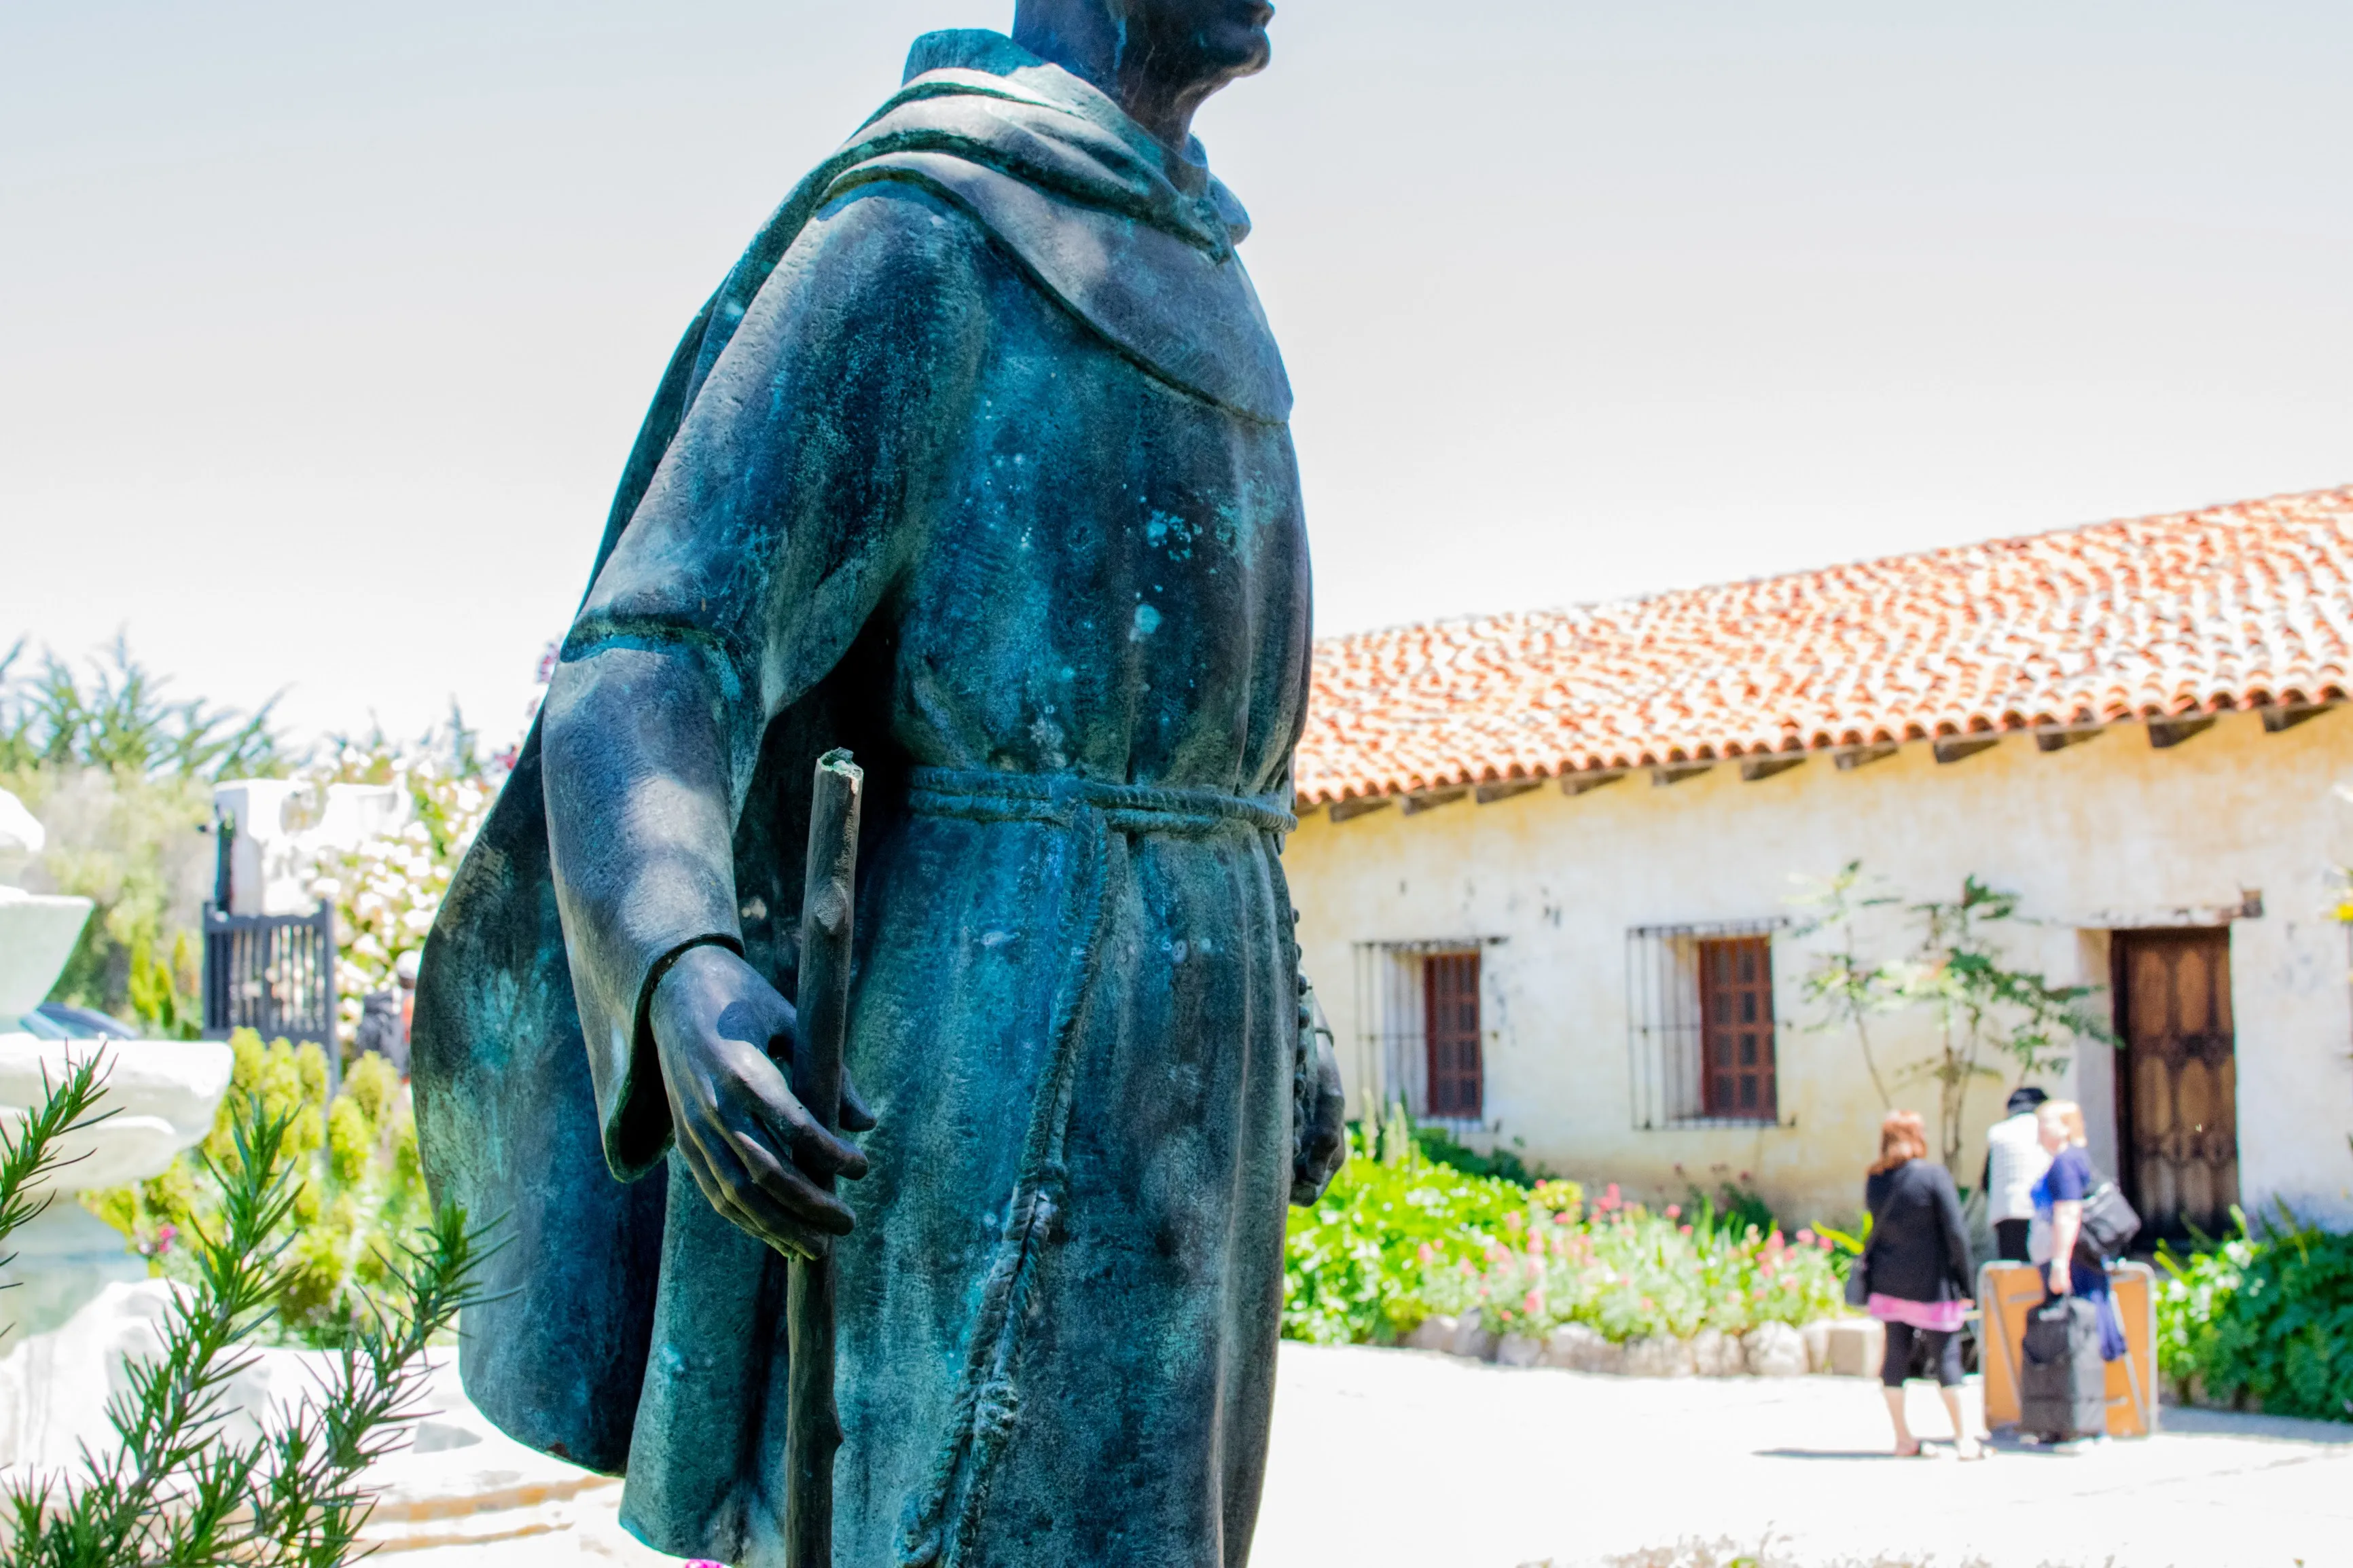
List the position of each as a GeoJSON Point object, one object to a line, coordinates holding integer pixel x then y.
{"type": "Point", "coordinates": [2058, 1219]}
{"type": "Point", "coordinates": [1917, 1271]}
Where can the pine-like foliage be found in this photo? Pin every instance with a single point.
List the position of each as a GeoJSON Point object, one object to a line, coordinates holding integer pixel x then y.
{"type": "Point", "coordinates": [176, 1487]}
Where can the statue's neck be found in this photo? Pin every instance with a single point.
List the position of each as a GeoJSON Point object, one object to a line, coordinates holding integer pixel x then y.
{"type": "Point", "coordinates": [1090, 51]}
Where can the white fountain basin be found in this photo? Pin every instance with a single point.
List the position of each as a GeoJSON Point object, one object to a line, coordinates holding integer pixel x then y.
{"type": "Point", "coordinates": [163, 1094]}
{"type": "Point", "coordinates": [38, 933]}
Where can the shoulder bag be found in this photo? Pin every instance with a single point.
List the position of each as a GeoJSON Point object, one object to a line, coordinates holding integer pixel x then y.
{"type": "Point", "coordinates": [2109, 1225]}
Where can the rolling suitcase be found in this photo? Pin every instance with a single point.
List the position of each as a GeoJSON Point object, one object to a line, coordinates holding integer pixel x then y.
{"type": "Point", "coordinates": [2062, 1382]}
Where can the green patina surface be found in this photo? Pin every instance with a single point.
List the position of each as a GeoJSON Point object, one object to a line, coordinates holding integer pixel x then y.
{"type": "Point", "coordinates": [978, 464]}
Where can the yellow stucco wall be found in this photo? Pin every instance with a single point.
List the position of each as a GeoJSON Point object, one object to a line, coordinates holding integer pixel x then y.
{"type": "Point", "coordinates": [2111, 834]}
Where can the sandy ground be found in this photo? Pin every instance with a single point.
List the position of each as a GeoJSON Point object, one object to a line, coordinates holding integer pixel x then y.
{"type": "Point", "coordinates": [1406, 1459]}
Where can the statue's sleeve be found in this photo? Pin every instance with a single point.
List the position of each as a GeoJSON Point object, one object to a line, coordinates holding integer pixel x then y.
{"type": "Point", "coordinates": [798, 488]}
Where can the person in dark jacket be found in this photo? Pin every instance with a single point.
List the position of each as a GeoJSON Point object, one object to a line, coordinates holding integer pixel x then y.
{"type": "Point", "coordinates": [1918, 1266]}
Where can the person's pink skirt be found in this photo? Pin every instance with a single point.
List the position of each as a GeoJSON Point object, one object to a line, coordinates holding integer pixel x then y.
{"type": "Point", "coordinates": [1936, 1317]}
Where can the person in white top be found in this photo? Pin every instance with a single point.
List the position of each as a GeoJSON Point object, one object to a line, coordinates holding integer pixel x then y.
{"type": "Point", "coordinates": [2015, 1161]}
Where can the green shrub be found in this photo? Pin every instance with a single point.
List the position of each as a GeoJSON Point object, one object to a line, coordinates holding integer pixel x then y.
{"type": "Point", "coordinates": [1438, 1146]}
{"type": "Point", "coordinates": [1734, 1205]}
{"type": "Point", "coordinates": [2263, 1319]}
{"type": "Point", "coordinates": [1353, 1264]}
{"type": "Point", "coordinates": [1627, 1273]}
{"type": "Point", "coordinates": [1400, 1236]}
{"type": "Point", "coordinates": [356, 1188]}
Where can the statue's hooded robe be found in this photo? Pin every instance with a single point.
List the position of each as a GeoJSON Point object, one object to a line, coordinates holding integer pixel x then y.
{"type": "Point", "coordinates": [978, 463]}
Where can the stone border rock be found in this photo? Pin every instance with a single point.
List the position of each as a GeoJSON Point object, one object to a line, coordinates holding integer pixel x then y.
{"type": "Point", "coordinates": [1848, 1347]}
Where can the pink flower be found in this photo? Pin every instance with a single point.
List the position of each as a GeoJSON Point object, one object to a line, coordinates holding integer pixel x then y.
{"type": "Point", "coordinates": [1534, 1303]}
{"type": "Point", "coordinates": [1428, 1253]}
{"type": "Point", "coordinates": [1675, 1211]}
{"type": "Point", "coordinates": [1609, 1199]}
{"type": "Point", "coordinates": [1685, 1228]}
{"type": "Point", "coordinates": [1804, 1237]}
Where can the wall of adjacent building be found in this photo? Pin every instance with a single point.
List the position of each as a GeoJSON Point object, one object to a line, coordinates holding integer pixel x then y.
{"type": "Point", "coordinates": [2107, 835]}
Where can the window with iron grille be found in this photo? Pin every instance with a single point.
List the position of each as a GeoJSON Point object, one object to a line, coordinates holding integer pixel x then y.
{"type": "Point", "coordinates": [1699, 1024]}
{"type": "Point", "coordinates": [1422, 1028]}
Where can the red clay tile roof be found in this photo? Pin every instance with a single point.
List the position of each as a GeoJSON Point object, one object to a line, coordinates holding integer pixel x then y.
{"type": "Point", "coordinates": [2232, 607]}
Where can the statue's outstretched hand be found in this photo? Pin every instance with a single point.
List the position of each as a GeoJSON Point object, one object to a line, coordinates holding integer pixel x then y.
{"type": "Point", "coordinates": [741, 1132]}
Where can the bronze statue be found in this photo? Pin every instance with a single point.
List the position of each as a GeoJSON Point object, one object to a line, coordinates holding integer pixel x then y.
{"type": "Point", "coordinates": [978, 465]}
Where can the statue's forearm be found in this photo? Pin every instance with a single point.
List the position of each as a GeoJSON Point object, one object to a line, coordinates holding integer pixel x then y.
{"type": "Point", "coordinates": [639, 831]}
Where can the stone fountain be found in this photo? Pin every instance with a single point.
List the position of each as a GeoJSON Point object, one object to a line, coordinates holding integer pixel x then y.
{"type": "Point", "coordinates": [163, 1094]}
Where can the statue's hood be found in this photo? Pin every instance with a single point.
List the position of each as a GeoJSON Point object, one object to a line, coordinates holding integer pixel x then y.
{"type": "Point", "coordinates": [1053, 131]}
{"type": "Point", "coordinates": [1133, 238]}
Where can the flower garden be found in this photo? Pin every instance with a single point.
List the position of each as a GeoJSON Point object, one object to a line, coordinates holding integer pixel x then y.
{"type": "Point", "coordinates": [2262, 1319]}
{"type": "Point", "coordinates": [1401, 1237]}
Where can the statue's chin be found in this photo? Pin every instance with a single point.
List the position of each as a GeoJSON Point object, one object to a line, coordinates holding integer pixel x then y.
{"type": "Point", "coordinates": [1243, 52]}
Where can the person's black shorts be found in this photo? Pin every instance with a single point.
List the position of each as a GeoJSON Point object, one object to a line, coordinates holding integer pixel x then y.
{"type": "Point", "coordinates": [1942, 1352]}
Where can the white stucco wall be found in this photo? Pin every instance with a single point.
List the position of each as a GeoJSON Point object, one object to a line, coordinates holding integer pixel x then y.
{"type": "Point", "coordinates": [2111, 834]}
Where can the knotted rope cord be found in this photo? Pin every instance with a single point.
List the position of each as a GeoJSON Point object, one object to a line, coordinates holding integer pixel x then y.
{"type": "Point", "coordinates": [983, 796]}
{"type": "Point", "coordinates": [989, 1403]}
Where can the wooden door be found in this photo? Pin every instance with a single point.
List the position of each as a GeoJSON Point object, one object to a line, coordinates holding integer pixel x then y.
{"type": "Point", "coordinates": [1450, 1034]}
{"type": "Point", "coordinates": [2177, 1091]}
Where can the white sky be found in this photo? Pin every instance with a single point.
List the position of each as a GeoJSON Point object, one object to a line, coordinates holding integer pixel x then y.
{"type": "Point", "coordinates": [324, 328]}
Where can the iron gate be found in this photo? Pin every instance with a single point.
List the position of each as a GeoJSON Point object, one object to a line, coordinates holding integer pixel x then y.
{"type": "Point", "coordinates": [274, 975]}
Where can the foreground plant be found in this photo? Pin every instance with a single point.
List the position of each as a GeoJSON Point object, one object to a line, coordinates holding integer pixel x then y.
{"type": "Point", "coordinates": [29, 1152]}
{"type": "Point", "coordinates": [176, 1487]}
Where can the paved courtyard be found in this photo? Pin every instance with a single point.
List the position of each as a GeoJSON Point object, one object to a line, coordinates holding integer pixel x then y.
{"type": "Point", "coordinates": [1408, 1459]}
{"type": "Point", "coordinates": [1404, 1460]}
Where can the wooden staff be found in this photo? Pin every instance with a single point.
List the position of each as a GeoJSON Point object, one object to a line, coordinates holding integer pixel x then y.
{"type": "Point", "coordinates": [813, 1423]}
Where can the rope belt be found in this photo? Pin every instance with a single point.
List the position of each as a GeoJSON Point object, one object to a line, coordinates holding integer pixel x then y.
{"type": "Point", "coordinates": [980, 795]}
{"type": "Point", "coordinates": [943, 1519]}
